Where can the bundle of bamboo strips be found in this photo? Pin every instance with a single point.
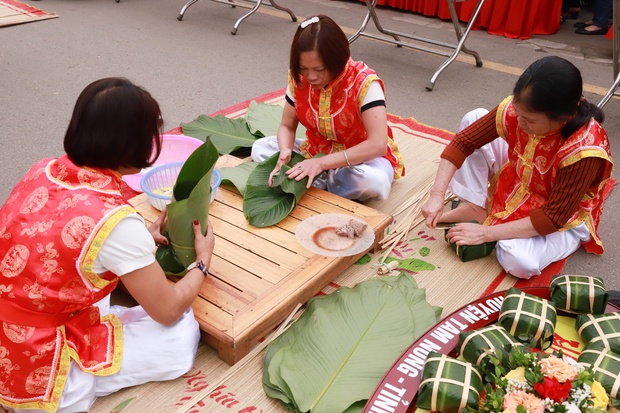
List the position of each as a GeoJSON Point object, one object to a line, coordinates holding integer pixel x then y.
{"type": "Point", "coordinates": [411, 212]}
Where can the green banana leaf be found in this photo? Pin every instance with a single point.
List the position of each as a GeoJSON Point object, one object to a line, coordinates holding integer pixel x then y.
{"type": "Point", "coordinates": [333, 357]}
{"type": "Point", "coordinates": [237, 175]}
{"type": "Point", "coordinates": [226, 134]}
{"type": "Point", "coordinates": [191, 199]}
{"type": "Point", "coordinates": [264, 120]}
{"type": "Point", "coordinates": [264, 206]}
{"type": "Point", "coordinates": [357, 407]}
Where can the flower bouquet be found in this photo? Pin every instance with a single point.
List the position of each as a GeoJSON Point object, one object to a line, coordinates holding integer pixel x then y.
{"type": "Point", "coordinates": [520, 380]}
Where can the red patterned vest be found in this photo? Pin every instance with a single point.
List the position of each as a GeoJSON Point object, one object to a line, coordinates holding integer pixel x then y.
{"type": "Point", "coordinates": [525, 181]}
{"type": "Point", "coordinates": [52, 227]}
{"type": "Point", "coordinates": [332, 115]}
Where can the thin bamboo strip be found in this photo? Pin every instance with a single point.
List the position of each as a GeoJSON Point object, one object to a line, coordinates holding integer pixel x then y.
{"type": "Point", "coordinates": [405, 222]}
{"type": "Point", "coordinates": [242, 363]}
{"type": "Point", "coordinates": [412, 219]}
{"type": "Point", "coordinates": [425, 190]}
{"type": "Point", "coordinates": [409, 206]}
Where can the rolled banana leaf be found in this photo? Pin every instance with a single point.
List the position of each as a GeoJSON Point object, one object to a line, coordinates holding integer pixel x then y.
{"type": "Point", "coordinates": [475, 346]}
{"type": "Point", "coordinates": [448, 384]}
{"type": "Point", "coordinates": [603, 329]}
{"type": "Point", "coordinates": [606, 367]}
{"type": "Point", "coordinates": [264, 206]}
{"type": "Point", "coordinates": [579, 294]}
{"type": "Point", "coordinates": [528, 318]}
{"type": "Point", "coordinates": [469, 252]}
{"type": "Point", "coordinates": [190, 201]}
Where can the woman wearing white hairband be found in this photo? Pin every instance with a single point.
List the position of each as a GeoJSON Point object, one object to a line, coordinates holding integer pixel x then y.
{"type": "Point", "coordinates": [341, 103]}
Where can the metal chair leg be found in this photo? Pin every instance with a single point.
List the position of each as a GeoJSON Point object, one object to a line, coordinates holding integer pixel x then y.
{"type": "Point", "coordinates": [185, 7]}
{"type": "Point", "coordinates": [290, 12]}
{"type": "Point", "coordinates": [396, 37]}
{"type": "Point", "coordinates": [256, 6]}
{"type": "Point", "coordinates": [610, 93]}
{"type": "Point", "coordinates": [233, 4]}
{"type": "Point", "coordinates": [461, 37]}
{"type": "Point", "coordinates": [373, 14]}
{"type": "Point", "coordinates": [245, 16]}
{"type": "Point", "coordinates": [362, 27]}
{"type": "Point", "coordinates": [616, 56]}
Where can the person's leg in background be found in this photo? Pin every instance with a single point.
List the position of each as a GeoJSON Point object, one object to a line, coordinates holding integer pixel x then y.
{"type": "Point", "coordinates": [570, 10]}
{"type": "Point", "coordinates": [603, 10]}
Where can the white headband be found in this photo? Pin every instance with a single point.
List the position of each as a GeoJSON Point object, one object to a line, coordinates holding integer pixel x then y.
{"type": "Point", "coordinates": [308, 22]}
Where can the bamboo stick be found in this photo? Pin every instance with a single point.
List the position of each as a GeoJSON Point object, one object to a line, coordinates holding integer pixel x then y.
{"type": "Point", "coordinates": [411, 219]}
{"type": "Point", "coordinates": [242, 363]}
{"type": "Point", "coordinates": [420, 194]}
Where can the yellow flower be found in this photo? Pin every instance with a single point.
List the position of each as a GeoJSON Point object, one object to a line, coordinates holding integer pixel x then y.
{"type": "Point", "coordinates": [599, 396]}
{"type": "Point", "coordinates": [517, 374]}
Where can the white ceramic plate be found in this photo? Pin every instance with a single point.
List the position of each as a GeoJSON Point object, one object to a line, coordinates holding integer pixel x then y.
{"type": "Point", "coordinates": [318, 234]}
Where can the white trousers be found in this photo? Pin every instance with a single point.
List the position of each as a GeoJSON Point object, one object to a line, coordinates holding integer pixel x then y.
{"type": "Point", "coordinates": [151, 352]}
{"type": "Point", "coordinates": [369, 180]}
{"type": "Point", "coordinates": [521, 257]}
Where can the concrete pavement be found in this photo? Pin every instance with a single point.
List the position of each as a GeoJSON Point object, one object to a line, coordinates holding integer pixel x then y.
{"type": "Point", "coordinates": [196, 66]}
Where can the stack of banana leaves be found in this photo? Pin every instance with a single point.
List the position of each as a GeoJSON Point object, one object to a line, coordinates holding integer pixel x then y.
{"type": "Point", "coordinates": [332, 358]}
{"type": "Point", "coordinates": [263, 205]}
{"type": "Point", "coordinates": [231, 135]}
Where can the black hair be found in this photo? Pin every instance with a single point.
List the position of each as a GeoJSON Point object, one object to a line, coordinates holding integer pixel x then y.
{"type": "Point", "coordinates": [553, 86]}
{"type": "Point", "coordinates": [114, 124]}
{"type": "Point", "coordinates": [329, 41]}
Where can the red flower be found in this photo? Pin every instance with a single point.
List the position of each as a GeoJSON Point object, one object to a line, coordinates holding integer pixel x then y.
{"type": "Point", "coordinates": [551, 388]}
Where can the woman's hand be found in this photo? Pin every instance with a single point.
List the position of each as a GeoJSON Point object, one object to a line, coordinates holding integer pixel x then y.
{"type": "Point", "coordinates": [203, 244]}
{"type": "Point", "coordinates": [285, 157]}
{"type": "Point", "coordinates": [469, 234]}
{"type": "Point", "coordinates": [432, 209]}
{"type": "Point", "coordinates": [158, 227]}
{"type": "Point", "coordinates": [310, 168]}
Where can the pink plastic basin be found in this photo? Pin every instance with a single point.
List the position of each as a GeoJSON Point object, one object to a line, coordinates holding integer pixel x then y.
{"type": "Point", "coordinates": [174, 148]}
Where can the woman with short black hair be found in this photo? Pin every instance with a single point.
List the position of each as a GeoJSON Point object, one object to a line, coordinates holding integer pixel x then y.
{"type": "Point", "coordinates": [341, 102]}
{"type": "Point", "coordinates": [68, 237]}
{"type": "Point", "coordinates": [113, 125]}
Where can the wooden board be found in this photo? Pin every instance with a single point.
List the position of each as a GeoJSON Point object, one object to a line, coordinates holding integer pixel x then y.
{"type": "Point", "coordinates": [258, 275]}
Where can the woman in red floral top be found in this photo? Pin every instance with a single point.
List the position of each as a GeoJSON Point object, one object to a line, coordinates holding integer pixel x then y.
{"type": "Point", "coordinates": [68, 238]}
{"type": "Point", "coordinates": [341, 103]}
{"type": "Point", "coordinates": [538, 189]}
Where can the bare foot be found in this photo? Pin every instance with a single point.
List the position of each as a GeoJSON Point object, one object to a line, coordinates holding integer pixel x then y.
{"type": "Point", "coordinates": [465, 212]}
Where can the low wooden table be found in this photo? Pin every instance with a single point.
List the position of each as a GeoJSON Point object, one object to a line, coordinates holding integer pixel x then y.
{"type": "Point", "coordinates": [258, 275]}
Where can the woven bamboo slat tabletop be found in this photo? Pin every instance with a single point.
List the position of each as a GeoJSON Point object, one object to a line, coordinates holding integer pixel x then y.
{"type": "Point", "coordinates": [258, 275]}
